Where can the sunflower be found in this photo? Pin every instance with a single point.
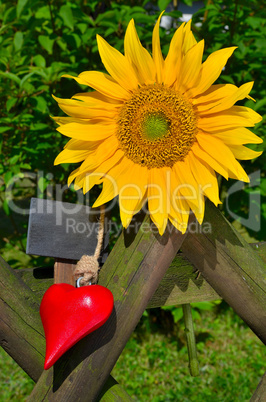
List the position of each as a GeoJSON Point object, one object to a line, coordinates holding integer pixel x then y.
{"type": "Point", "coordinates": [156, 129]}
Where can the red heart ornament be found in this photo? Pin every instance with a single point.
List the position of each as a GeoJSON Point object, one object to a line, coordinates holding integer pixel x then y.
{"type": "Point", "coordinates": [68, 314]}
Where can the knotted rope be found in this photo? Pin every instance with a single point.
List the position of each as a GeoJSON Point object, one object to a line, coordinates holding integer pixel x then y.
{"type": "Point", "coordinates": [88, 265]}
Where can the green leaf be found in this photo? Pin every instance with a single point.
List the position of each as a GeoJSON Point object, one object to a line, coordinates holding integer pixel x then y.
{"type": "Point", "coordinates": [18, 40]}
{"type": "Point", "coordinates": [4, 129]}
{"type": "Point", "coordinates": [162, 4]}
{"type": "Point", "coordinates": [11, 76]}
{"type": "Point", "coordinates": [177, 314]}
{"type": "Point", "coordinates": [43, 13]}
{"type": "Point", "coordinates": [9, 104]}
{"type": "Point", "coordinates": [67, 16]}
{"type": "Point", "coordinates": [14, 159]}
{"type": "Point", "coordinates": [203, 305]}
{"type": "Point", "coordinates": [6, 207]}
{"type": "Point", "coordinates": [7, 177]}
{"type": "Point", "coordinates": [20, 5]}
{"type": "Point", "coordinates": [25, 166]}
{"type": "Point", "coordinates": [46, 43]}
{"type": "Point", "coordinates": [42, 184]}
{"type": "Point", "coordinates": [41, 104]}
{"type": "Point", "coordinates": [108, 15]}
{"type": "Point", "coordinates": [25, 78]}
{"type": "Point", "coordinates": [39, 60]}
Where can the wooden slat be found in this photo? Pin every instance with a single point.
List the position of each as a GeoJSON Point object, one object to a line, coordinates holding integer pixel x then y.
{"type": "Point", "coordinates": [231, 267]}
{"type": "Point", "coordinates": [21, 332]}
{"type": "Point", "coordinates": [260, 393]}
{"type": "Point", "coordinates": [181, 284]}
{"type": "Point", "coordinates": [178, 286]}
{"type": "Point", "coordinates": [63, 271]}
{"type": "Point", "coordinates": [132, 272]}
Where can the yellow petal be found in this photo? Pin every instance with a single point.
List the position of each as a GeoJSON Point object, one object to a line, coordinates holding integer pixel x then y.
{"type": "Point", "coordinates": [206, 177]}
{"type": "Point", "coordinates": [179, 226]}
{"type": "Point", "coordinates": [72, 176]}
{"type": "Point", "coordinates": [90, 181]}
{"type": "Point", "coordinates": [117, 65]}
{"type": "Point", "coordinates": [219, 151]}
{"type": "Point", "coordinates": [79, 145]}
{"type": "Point", "coordinates": [211, 69]}
{"type": "Point", "coordinates": [238, 136]}
{"type": "Point", "coordinates": [96, 174]}
{"type": "Point", "coordinates": [79, 182]}
{"type": "Point", "coordinates": [158, 201]}
{"type": "Point", "coordinates": [102, 159]}
{"type": "Point", "coordinates": [108, 148]}
{"type": "Point", "coordinates": [86, 110]}
{"type": "Point", "coordinates": [244, 153]}
{"type": "Point", "coordinates": [88, 131]}
{"type": "Point", "coordinates": [173, 60]}
{"type": "Point", "coordinates": [132, 191]}
{"type": "Point", "coordinates": [189, 40]}
{"type": "Point", "coordinates": [100, 172]}
{"type": "Point", "coordinates": [156, 50]}
{"type": "Point", "coordinates": [138, 56]}
{"type": "Point", "coordinates": [200, 154]}
{"type": "Point", "coordinates": [110, 186]}
{"type": "Point", "coordinates": [96, 99]}
{"type": "Point", "coordinates": [236, 116]}
{"type": "Point", "coordinates": [214, 96]}
{"type": "Point", "coordinates": [179, 208]}
{"type": "Point", "coordinates": [102, 83]}
{"type": "Point", "coordinates": [228, 101]}
{"type": "Point", "coordinates": [61, 120]}
{"type": "Point", "coordinates": [190, 69]}
{"type": "Point", "coordinates": [246, 112]}
{"type": "Point", "coordinates": [189, 188]}
{"type": "Point", "coordinates": [67, 156]}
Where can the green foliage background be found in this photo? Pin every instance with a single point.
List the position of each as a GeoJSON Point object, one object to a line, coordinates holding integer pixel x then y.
{"type": "Point", "coordinates": [41, 40]}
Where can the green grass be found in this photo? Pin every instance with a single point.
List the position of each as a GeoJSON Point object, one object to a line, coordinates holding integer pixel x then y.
{"type": "Point", "coordinates": [232, 360]}
{"type": "Point", "coordinates": [15, 385]}
{"type": "Point", "coordinates": [154, 365]}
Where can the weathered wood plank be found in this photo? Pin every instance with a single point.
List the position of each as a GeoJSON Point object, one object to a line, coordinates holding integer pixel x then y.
{"type": "Point", "coordinates": [231, 267]}
{"type": "Point", "coordinates": [132, 272]}
{"type": "Point", "coordinates": [260, 393]}
{"type": "Point", "coordinates": [178, 286]}
{"type": "Point", "coordinates": [260, 248]}
{"type": "Point", "coordinates": [113, 392]}
{"type": "Point", "coordinates": [64, 271]}
{"type": "Point", "coordinates": [21, 333]}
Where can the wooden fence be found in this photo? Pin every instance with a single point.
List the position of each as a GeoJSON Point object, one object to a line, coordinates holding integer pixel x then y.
{"type": "Point", "coordinates": [144, 270]}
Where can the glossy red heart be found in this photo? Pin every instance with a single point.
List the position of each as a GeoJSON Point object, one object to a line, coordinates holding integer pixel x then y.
{"type": "Point", "coordinates": [68, 314]}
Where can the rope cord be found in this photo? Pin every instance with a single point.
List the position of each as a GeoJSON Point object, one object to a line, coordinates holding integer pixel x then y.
{"type": "Point", "coordinates": [88, 266]}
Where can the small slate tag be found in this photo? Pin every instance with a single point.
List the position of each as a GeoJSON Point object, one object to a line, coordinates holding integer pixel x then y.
{"type": "Point", "coordinates": [63, 230]}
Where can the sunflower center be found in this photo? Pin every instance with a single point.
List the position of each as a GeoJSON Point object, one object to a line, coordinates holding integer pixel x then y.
{"type": "Point", "coordinates": [156, 126]}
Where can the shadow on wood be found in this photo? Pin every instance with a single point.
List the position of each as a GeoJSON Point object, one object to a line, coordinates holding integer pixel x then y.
{"type": "Point", "coordinates": [65, 365]}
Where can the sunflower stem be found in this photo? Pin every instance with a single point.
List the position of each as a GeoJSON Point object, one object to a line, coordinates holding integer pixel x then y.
{"type": "Point", "coordinates": [191, 341]}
